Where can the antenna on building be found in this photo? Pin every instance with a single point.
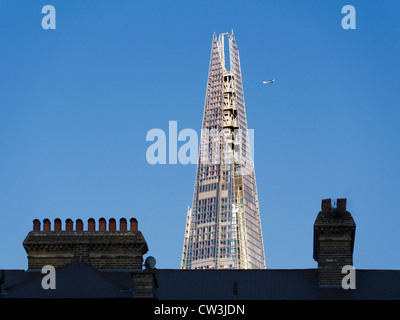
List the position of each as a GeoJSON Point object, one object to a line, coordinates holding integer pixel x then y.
{"type": "Point", "coordinates": [150, 263]}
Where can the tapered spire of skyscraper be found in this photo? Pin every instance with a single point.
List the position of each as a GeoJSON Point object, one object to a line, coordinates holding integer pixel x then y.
{"type": "Point", "coordinates": [223, 227]}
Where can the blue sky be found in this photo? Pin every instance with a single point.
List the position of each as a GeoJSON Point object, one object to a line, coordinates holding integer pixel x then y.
{"type": "Point", "coordinates": [76, 104]}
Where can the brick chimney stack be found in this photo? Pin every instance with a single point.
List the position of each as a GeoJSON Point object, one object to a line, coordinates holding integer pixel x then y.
{"type": "Point", "coordinates": [334, 234]}
{"type": "Point", "coordinates": [102, 248]}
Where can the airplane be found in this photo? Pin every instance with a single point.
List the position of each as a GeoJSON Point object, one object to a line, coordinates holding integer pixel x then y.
{"type": "Point", "coordinates": [269, 81]}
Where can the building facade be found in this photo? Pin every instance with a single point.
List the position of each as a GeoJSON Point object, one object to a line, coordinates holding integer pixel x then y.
{"type": "Point", "coordinates": [223, 226]}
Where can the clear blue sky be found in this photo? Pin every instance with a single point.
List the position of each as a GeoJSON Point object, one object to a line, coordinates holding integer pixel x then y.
{"type": "Point", "coordinates": [76, 104]}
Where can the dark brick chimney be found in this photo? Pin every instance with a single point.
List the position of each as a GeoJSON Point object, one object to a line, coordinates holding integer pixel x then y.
{"type": "Point", "coordinates": [334, 233]}
{"type": "Point", "coordinates": [103, 249]}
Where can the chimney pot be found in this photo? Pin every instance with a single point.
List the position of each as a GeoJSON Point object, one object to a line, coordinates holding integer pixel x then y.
{"type": "Point", "coordinates": [102, 224]}
{"type": "Point", "coordinates": [36, 225]}
{"type": "Point", "coordinates": [112, 226]}
{"type": "Point", "coordinates": [134, 224]}
{"type": "Point", "coordinates": [79, 225]}
{"type": "Point", "coordinates": [326, 205]}
{"type": "Point", "coordinates": [91, 225]}
{"type": "Point", "coordinates": [341, 204]}
{"type": "Point", "coordinates": [46, 225]}
{"type": "Point", "coordinates": [123, 224]}
{"type": "Point", "coordinates": [57, 224]}
{"type": "Point", "coordinates": [69, 225]}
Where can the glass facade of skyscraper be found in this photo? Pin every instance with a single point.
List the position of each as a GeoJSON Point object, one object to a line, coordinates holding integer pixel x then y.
{"type": "Point", "coordinates": [223, 227]}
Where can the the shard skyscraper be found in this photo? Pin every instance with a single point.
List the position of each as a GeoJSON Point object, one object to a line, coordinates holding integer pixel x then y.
{"type": "Point", "coordinates": [223, 227]}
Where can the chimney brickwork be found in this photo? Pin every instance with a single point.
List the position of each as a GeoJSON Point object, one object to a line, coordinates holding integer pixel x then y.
{"type": "Point", "coordinates": [144, 285]}
{"type": "Point", "coordinates": [102, 248]}
{"type": "Point", "coordinates": [334, 233]}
